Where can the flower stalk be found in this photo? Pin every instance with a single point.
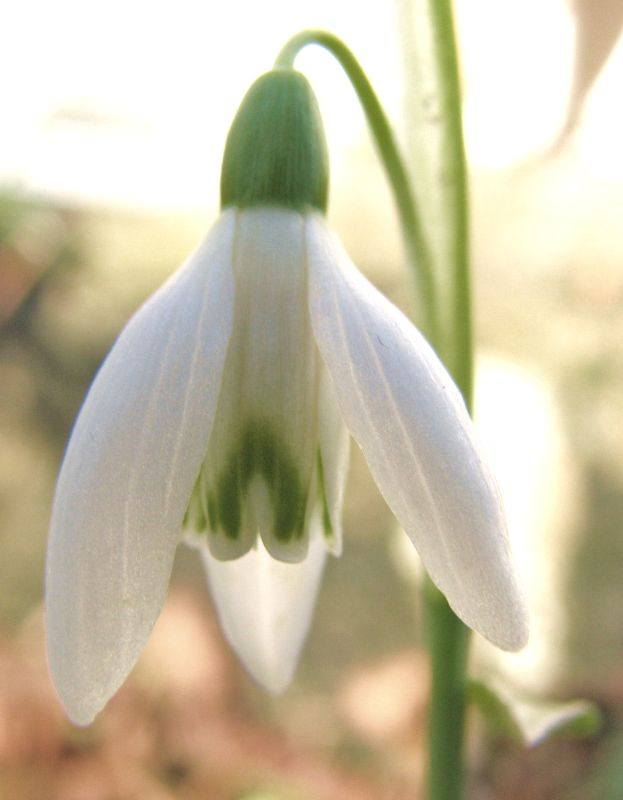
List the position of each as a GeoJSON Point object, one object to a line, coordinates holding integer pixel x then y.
{"type": "Point", "coordinates": [448, 645]}
{"type": "Point", "coordinates": [448, 637]}
{"type": "Point", "coordinates": [415, 243]}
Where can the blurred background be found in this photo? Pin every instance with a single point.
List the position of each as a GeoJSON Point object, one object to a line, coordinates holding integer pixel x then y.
{"type": "Point", "coordinates": [113, 119]}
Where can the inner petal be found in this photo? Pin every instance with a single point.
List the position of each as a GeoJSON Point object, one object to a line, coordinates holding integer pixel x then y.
{"type": "Point", "coordinates": [258, 473]}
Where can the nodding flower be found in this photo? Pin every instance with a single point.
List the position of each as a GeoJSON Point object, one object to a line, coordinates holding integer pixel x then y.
{"type": "Point", "coordinates": [222, 417]}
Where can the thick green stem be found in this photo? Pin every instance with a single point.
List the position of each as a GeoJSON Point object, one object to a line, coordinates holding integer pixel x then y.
{"type": "Point", "coordinates": [460, 358]}
{"type": "Point", "coordinates": [447, 636]}
{"type": "Point", "coordinates": [448, 641]}
{"type": "Point", "coordinates": [414, 240]}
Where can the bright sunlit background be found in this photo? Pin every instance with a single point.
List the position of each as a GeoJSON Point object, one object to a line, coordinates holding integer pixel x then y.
{"type": "Point", "coordinates": [113, 118]}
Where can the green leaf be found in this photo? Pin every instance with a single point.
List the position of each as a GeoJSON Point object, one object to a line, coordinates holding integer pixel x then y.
{"type": "Point", "coordinates": [532, 720]}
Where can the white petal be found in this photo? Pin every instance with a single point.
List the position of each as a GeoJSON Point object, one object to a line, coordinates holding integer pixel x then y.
{"type": "Point", "coordinates": [128, 472]}
{"type": "Point", "coordinates": [263, 449]}
{"type": "Point", "coordinates": [265, 608]}
{"type": "Point", "coordinates": [404, 411]}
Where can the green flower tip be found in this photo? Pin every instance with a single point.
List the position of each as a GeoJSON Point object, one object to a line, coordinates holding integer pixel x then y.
{"type": "Point", "coordinates": [276, 152]}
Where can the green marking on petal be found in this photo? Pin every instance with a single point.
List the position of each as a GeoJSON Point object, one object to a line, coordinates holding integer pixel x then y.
{"type": "Point", "coordinates": [272, 460]}
{"type": "Point", "coordinates": [289, 501]}
{"type": "Point", "coordinates": [260, 452]}
{"type": "Point", "coordinates": [201, 523]}
{"type": "Point", "coordinates": [212, 512]}
{"type": "Point", "coordinates": [228, 501]}
{"type": "Point", "coordinates": [326, 516]}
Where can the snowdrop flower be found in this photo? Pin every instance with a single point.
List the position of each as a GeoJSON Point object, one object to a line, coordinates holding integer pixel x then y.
{"type": "Point", "coordinates": [222, 417]}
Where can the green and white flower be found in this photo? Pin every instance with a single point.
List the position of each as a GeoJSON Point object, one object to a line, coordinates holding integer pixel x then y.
{"type": "Point", "coordinates": [222, 415]}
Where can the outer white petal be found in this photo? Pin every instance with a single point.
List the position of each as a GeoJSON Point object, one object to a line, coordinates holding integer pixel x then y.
{"type": "Point", "coordinates": [128, 472]}
{"type": "Point", "coordinates": [265, 607]}
{"type": "Point", "coordinates": [404, 411]}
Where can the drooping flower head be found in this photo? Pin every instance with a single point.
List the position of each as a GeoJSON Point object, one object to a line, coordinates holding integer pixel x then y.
{"type": "Point", "coordinates": [222, 416]}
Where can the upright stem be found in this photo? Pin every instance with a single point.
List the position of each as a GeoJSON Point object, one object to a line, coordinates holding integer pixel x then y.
{"type": "Point", "coordinates": [461, 357]}
{"type": "Point", "coordinates": [448, 642]}
{"type": "Point", "coordinates": [414, 240]}
{"type": "Point", "coordinates": [448, 637]}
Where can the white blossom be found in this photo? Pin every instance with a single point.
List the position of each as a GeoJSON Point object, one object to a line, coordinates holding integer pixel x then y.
{"type": "Point", "coordinates": [221, 417]}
